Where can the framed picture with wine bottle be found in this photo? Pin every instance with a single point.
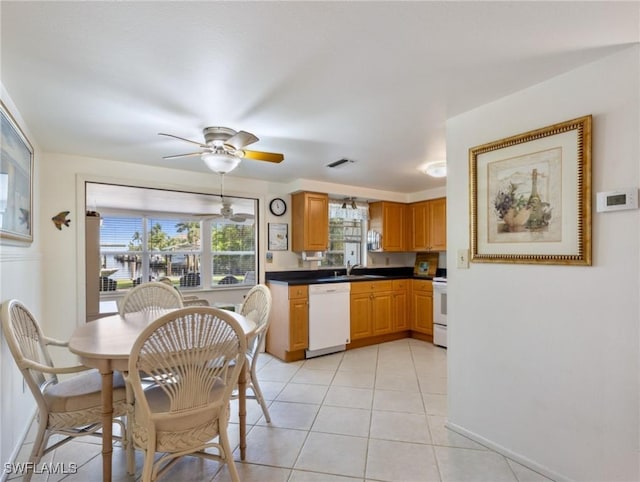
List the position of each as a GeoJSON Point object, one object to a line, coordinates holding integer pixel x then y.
{"type": "Point", "coordinates": [531, 196]}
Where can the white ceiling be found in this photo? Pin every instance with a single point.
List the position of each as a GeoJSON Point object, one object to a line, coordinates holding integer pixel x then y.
{"type": "Point", "coordinates": [318, 81]}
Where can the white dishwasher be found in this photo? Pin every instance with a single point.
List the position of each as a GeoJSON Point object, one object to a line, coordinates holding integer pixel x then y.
{"type": "Point", "coordinates": [329, 318]}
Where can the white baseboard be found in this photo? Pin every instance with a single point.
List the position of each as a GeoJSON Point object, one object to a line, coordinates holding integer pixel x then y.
{"type": "Point", "coordinates": [530, 464]}
{"type": "Point", "coordinates": [16, 450]}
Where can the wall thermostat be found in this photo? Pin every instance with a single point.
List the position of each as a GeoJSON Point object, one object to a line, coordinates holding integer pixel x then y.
{"type": "Point", "coordinates": [617, 200]}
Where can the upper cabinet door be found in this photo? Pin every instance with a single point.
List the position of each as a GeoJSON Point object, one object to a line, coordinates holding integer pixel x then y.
{"type": "Point", "coordinates": [388, 219]}
{"type": "Point", "coordinates": [438, 224]}
{"type": "Point", "coordinates": [310, 221]}
{"type": "Point", "coordinates": [428, 225]}
{"type": "Point", "coordinates": [418, 232]}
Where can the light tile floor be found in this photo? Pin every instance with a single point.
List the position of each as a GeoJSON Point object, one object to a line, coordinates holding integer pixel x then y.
{"type": "Point", "coordinates": [370, 414]}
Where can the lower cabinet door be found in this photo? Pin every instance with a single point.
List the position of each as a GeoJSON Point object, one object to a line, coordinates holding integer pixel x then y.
{"type": "Point", "coordinates": [400, 311]}
{"type": "Point", "coordinates": [298, 324]}
{"type": "Point", "coordinates": [382, 313]}
{"type": "Point", "coordinates": [423, 313]}
{"type": "Point", "coordinates": [360, 309]}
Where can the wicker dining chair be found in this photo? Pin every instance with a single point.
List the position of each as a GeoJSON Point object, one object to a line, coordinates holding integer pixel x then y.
{"type": "Point", "coordinates": [187, 300]}
{"type": "Point", "coordinates": [72, 407]}
{"type": "Point", "coordinates": [257, 308]}
{"type": "Point", "coordinates": [153, 295]}
{"type": "Point", "coordinates": [194, 355]}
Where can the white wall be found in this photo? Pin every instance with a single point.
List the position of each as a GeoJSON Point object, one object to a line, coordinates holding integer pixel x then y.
{"type": "Point", "coordinates": [20, 278]}
{"type": "Point", "coordinates": [543, 360]}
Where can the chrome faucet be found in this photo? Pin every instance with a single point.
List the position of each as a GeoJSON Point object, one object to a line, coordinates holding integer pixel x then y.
{"type": "Point", "coordinates": [350, 268]}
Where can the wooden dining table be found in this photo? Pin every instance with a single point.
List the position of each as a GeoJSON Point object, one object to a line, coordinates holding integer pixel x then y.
{"type": "Point", "coordinates": [106, 344]}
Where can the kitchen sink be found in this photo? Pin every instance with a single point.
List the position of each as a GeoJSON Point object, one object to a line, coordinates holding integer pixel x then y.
{"type": "Point", "coordinates": [351, 277]}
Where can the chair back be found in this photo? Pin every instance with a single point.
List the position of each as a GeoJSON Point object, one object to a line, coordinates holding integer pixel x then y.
{"type": "Point", "coordinates": [28, 346]}
{"type": "Point", "coordinates": [189, 300]}
{"type": "Point", "coordinates": [257, 308]}
{"type": "Point", "coordinates": [195, 356]}
{"type": "Point", "coordinates": [166, 280]}
{"type": "Point", "coordinates": [150, 296]}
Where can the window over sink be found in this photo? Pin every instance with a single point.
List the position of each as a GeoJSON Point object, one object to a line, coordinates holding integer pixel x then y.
{"type": "Point", "coordinates": [346, 227]}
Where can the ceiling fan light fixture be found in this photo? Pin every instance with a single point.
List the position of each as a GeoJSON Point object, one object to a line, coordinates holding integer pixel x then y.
{"type": "Point", "coordinates": [221, 163]}
{"type": "Point", "coordinates": [436, 169]}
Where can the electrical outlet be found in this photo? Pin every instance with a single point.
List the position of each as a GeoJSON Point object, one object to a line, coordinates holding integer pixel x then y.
{"type": "Point", "coordinates": [386, 261]}
{"type": "Point", "coordinates": [463, 259]}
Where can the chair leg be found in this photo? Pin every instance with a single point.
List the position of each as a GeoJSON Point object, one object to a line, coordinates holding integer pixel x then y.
{"type": "Point", "coordinates": [39, 445]}
{"type": "Point", "coordinates": [258, 392]}
{"type": "Point", "coordinates": [127, 436]}
{"type": "Point", "coordinates": [147, 469]}
{"type": "Point", "coordinates": [227, 453]}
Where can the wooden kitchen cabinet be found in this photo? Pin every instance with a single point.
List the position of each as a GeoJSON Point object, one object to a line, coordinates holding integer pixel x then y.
{"type": "Point", "coordinates": [382, 312]}
{"type": "Point", "coordinates": [388, 219]}
{"type": "Point", "coordinates": [288, 334]}
{"type": "Point", "coordinates": [422, 307]}
{"type": "Point", "coordinates": [400, 306]}
{"type": "Point", "coordinates": [371, 309]}
{"type": "Point", "coordinates": [360, 315]}
{"type": "Point", "coordinates": [309, 221]}
{"type": "Point", "coordinates": [438, 224]}
{"type": "Point", "coordinates": [427, 225]}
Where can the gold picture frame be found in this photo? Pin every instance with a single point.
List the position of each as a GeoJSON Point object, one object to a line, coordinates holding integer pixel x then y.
{"type": "Point", "coordinates": [16, 182]}
{"type": "Point", "coordinates": [530, 196]}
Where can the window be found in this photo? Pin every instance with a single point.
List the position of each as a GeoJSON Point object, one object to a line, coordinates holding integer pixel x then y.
{"type": "Point", "coordinates": [346, 225]}
{"type": "Point", "coordinates": [206, 246]}
{"type": "Point", "coordinates": [233, 248]}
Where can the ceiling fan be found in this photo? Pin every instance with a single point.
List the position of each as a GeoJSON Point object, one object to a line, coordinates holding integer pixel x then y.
{"type": "Point", "coordinates": [226, 212]}
{"type": "Point", "coordinates": [224, 148]}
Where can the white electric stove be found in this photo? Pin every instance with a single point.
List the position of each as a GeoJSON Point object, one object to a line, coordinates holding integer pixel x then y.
{"type": "Point", "coordinates": [440, 311]}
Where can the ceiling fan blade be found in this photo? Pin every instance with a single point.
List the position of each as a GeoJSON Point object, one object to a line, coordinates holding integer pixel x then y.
{"type": "Point", "coordinates": [240, 140]}
{"type": "Point", "coordinates": [183, 139]}
{"type": "Point", "coordinates": [183, 155]}
{"type": "Point", "coordinates": [240, 219]}
{"type": "Point", "coordinates": [243, 215]}
{"type": "Point", "coordinates": [263, 156]}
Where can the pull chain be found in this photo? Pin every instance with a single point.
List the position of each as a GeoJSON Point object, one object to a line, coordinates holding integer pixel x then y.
{"type": "Point", "coordinates": [222, 186]}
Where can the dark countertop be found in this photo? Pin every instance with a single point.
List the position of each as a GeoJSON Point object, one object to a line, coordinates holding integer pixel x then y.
{"type": "Point", "coordinates": [306, 277]}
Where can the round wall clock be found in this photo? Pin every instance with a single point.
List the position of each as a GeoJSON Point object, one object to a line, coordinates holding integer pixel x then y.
{"type": "Point", "coordinates": [277, 206]}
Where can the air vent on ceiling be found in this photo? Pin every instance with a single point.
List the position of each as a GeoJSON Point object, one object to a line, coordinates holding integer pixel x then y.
{"type": "Point", "coordinates": [339, 162]}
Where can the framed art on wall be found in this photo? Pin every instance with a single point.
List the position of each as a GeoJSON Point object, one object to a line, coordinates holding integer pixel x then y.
{"type": "Point", "coordinates": [16, 181]}
{"type": "Point", "coordinates": [278, 236]}
{"type": "Point", "coordinates": [531, 196]}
